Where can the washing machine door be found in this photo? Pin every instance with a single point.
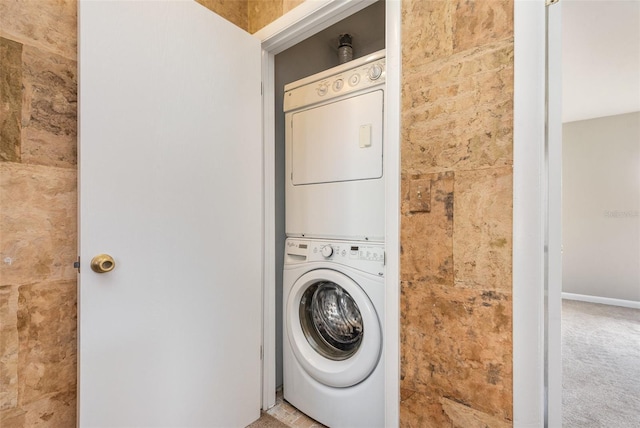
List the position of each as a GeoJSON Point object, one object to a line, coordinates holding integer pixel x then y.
{"type": "Point", "coordinates": [333, 328]}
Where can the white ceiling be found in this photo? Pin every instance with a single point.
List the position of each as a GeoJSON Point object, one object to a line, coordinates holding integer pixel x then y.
{"type": "Point", "coordinates": [600, 58]}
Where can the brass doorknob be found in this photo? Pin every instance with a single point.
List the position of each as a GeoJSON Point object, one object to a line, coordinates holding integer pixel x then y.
{"type": "Point", "coordinates": [102, 263]}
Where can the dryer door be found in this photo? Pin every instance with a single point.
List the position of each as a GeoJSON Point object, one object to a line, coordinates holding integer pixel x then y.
{"type": "Point", "coordinates": [338, 141]}
{"type": "Point", "coordinates": [333, 328]}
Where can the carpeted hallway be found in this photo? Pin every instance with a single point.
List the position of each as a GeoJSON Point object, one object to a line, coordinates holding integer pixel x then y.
{"type": "Point", "coordinates": [601, 365]}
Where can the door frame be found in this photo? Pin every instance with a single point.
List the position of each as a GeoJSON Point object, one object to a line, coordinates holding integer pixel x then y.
{"type": "Point", "coordinates": [305, 20]}
{"type": "Point", "coordinates": [528, 225]}
{"type": "Point", "coordinates": [553, 207]}
{"type": "Point", "coordinates": [537, 160]}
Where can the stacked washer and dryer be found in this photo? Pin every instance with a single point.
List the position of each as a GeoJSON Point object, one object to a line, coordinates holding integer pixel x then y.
{"type": "Point", "coordinates": [333, 280]}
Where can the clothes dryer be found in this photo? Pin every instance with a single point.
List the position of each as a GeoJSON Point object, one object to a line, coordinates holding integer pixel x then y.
{"type": "Point", "coordinates": [334, 152]}
{"type": "Point", "coordinates": [333, 296]}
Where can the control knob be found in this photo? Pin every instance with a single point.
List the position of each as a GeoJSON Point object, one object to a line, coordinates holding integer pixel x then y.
{"type": "Point", "coordinates": [327, 251]}
{"type": "Point", "coordinates": [322, 90]}
{"type": "Point", "coordinates": [375, 72]}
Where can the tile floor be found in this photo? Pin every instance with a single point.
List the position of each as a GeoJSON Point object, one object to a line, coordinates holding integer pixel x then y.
{"type": "Point", "coordinates": [289, 415]}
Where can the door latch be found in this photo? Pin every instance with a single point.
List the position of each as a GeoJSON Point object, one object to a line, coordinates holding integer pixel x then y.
{"type": "Point", "coordinates": [76, 265]}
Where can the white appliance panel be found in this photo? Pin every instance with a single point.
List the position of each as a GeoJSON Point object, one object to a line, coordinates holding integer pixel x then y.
{"type": "Point", "coordinates": [334, 126]}
{"type": "Point", "coordinates": [306, 385]}
{"type": "Point", "coordinates": [339, 141]}
{"type": "Point", "coordinates": [341, 210]}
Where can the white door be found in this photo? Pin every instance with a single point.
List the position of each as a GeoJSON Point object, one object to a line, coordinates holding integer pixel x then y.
{"type": "Point", "coordinates": [170, 187]}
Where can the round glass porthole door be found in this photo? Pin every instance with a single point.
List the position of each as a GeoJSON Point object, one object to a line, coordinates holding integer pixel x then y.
{"type": "Point", "coordinates": [333, 328]}
{"type": "Point", "coordinates": [331, 320]}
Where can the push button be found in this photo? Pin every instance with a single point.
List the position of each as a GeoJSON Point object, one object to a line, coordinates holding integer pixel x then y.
{"type": "Point", "coordinates": [322, 90]}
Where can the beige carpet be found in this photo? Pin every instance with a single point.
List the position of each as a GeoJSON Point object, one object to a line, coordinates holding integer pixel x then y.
{"type": "Point", "coordinates": [267, 421]}
{"type": "Point", "coordinates": [601, 366]}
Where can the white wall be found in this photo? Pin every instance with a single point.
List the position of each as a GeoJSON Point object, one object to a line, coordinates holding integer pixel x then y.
{"type": "Point", "coordinates": [601, 207]}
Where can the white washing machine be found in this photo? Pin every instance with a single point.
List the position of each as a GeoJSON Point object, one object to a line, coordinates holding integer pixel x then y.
{"type": "Point", "coordinates": [333, 152]}
{"type": "Point", "coordinates": [333, 296]}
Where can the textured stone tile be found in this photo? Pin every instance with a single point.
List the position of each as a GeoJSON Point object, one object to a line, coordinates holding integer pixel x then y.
{"type": "Point", "coordinates": [263, 12]}
{"type": "Point", "coordinates": [49, 109]}
{"type": "Point", "coordinates": [8, 347]}
{"type": "Point", "coordinates": [427, 237]}
{"type": "Point", "coordinates": [465, 417]}
{"type": "Point", "coordinates": [38, 223]}
{"type": "Point", "coordinates": [232, 10]}
{"type": "Point", "coordinates": [47, 333]}
{"type": "Point", "coordinates": [457, 112]}
{"type": "Point", "coordinates": [427, 31]}
{"type": "Point", "coordinates": [13, 418]}
{"type": "Point", "coordinates": [482, 235]}
{"type": "Point", "coordinates": [478, 22]}
{"type": "Point", "coordinates": [10, 99]}
{"type": "Point", "coordinates": [287, 5]}
{"type": "Point", "coordinates": [49, 25]}
{"type": "Point", "coordinates": [56, 410]}
{"type": "Point", "coordinates": [419, 410]}
{"type": "Point", "coordinates": [457, 115]}
{"type": "Point", "coordinates": [457, 343]}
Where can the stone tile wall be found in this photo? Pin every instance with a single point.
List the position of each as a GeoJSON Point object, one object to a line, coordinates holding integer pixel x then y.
{"type": "Point", "coordinates": [263, 12]}
{"type": "Point", "coordinates": [456, 215]}
{"type": "Point", "coordinates": [235, 11]}
{"type": "Point", "coordinates": [38, 199]}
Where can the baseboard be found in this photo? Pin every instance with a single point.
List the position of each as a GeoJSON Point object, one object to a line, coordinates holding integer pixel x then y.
{"type": "Point", "coordinates": [602, 300]}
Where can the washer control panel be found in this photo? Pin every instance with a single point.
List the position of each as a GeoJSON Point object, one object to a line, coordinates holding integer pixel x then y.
{"type": "Point", "coordinates": [342, 81]}
{"type": "Point", "coordinates": [369, 257]}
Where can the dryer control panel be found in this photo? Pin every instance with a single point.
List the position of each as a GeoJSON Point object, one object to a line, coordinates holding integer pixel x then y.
{"type": "Point", "coordinates": [365, 256]}
{"type": "Point", "coordinates": [345, 79]}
